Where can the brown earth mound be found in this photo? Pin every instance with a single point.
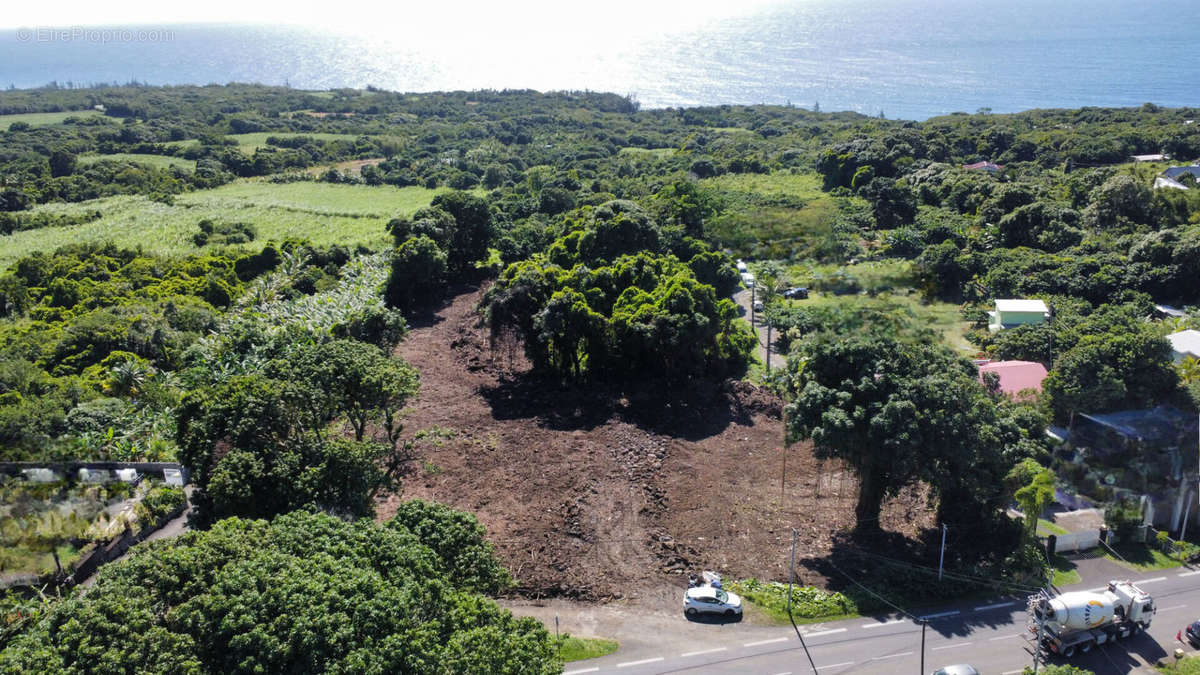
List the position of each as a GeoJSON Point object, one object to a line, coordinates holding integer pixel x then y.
{"type": "Point", "coordinates": [596, 494]}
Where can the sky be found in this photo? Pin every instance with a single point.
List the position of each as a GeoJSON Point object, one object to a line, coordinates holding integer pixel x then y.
{"type": "Point", "coordinates": [415, 19]}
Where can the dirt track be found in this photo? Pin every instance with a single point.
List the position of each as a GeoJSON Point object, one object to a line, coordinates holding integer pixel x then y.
{"type": "Point", "coordinates": [598, 494]}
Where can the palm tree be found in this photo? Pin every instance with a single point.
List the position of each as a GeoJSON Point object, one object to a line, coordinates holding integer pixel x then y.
{"type": "Point", "coordinates": [1189, 369]}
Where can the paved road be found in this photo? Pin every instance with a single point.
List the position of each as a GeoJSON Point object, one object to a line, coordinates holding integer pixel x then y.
{"type": "Point", "coordinates": [989, 635]}
{"type": "Point", "coordinates": [742, 298]}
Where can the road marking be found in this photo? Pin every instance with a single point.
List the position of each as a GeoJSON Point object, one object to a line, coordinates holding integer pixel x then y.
{"type": "Point", "coordinates": [1149, 581]}
{"type": "Point", "coordinates": [765, 642]}
{"type": "Point", "coordinates": [1189, 574]}
{"type": "Point", "coordinates": [825, 632]}
{"type": "Point", "coordinates": [639, 663]}
{"type": "Point", "coordinates": [893, 622]}
{"type": "Point", "coordinates": [892, 656]}
{"type": "Point", "coordinates": [963, 644]}
{"type": "Point", "coordinates": [1167, 609]}
{"type": "Point", "coordinates": [998, 605]}
{"type": "Point", "coordinates": [703, 651]}
{"type": "Point", "coordinates": [1013, 672]}
{"type": "Point", "coordinates": [786, 672]}
{"type": "Point", "coordinates": [582, 670]}
{"type": "Point", "coordinates": [836, 665]}
{"type": "Point", "coordinates": [1004, 637]}
{"type": "Point", "coordinates": [939, 616]}
{"type": "Point", "coordinates": [1097, 590]}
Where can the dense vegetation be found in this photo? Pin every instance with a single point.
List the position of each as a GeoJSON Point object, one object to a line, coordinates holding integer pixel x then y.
{"type": "Point", "coordinates": [304, 592]}
{"type": "Point", "coordinates": [265, 364]}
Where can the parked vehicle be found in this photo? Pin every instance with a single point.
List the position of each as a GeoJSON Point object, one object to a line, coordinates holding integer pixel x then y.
{"type": "Point", "coordinates": [712, 600]}
{"type": "Point", "coordinates": [758, 305]}
{"type": "Point", "coordinates": [957, 669]}
{"type": "Point", "coordinates": [1192, 633]}
{"type": "Point", "coordinates": [797, 293]}
{"type": "Point", "coordinates": [747, 280]}
{"type": "Point", "coordinates": [741, 266]}
{"type": "Point", "coordinates": [1081, 620]}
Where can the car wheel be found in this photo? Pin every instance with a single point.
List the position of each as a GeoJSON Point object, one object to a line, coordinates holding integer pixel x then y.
{"type": "Point", "coordinates": [729, 612]}
{"type": "Point", "coordinates": [1085, 647]}
{"type": "Point", "coordinates": [1069, 651]}
{"type": "Point", "coordinates": [690, 611]}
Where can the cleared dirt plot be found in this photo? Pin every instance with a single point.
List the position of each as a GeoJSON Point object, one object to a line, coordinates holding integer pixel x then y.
{"type": "Point", "coordinates": [598, 494]}
{"type": "Point", "coordinates": [320, 212]}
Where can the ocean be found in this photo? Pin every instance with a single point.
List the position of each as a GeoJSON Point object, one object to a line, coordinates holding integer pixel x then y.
{"type": "Point", "coordinates": [905, 59]}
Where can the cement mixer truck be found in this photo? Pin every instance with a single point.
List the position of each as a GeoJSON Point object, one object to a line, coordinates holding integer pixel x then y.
{"type": "Point", "coordinates": [1080, 620]}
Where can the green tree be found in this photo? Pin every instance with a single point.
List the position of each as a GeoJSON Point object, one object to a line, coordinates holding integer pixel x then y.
{"type": "Point", "coordinates": [897, 411]}
{"type": "Point", "coordinates": [418, 275]}
{"type": "Point", "coordinates": [305, 592]}
{"type": "Point", "coordinates": [1034, 490]}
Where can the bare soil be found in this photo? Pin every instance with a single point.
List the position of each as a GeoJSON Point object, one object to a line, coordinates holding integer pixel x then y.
{"type": "Point", "coordinates": [599, 493]}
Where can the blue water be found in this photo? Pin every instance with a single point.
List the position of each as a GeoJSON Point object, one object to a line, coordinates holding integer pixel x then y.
{"type": "Point", "coordinates": [908, 59]}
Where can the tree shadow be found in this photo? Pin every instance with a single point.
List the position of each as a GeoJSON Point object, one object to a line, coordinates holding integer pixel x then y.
{"type": "Point", "coordinates": [890, 576]}
{"type": "Point", "coordinates": [1118, 656]}
{"type": "Point", "coordinates": [691, 410]}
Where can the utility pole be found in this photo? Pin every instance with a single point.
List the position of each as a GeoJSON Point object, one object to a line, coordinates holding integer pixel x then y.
{"type": "Point", "coordinates": [942, 557]}
{"type": "Point", "coordinates": [768, 346]}
{"type": "Point", "coordinates": [924, 623]}
{"type": "Point", "coordinates": [791, 578]}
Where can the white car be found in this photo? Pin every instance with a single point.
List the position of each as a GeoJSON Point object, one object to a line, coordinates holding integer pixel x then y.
{"type": "Point", "coordinates": [712, 600]}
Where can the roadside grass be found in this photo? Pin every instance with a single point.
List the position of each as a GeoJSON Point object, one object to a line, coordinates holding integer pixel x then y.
{"type": "Point", "coordinates": [1141, 558]}
{"type": "Point", "coordinates": [44, 119]}
{"type": "Point", "coordinates": [1045, 527]}
{"type": "Point", "coordinates": [156, 161]}
{"type": "Point", "coordinates": [1188, 665]}
{"type": "Point", "coordinates": [1065, 573]}
{"type": "Point", "coordinates": [772, 216]}
{"type": "Point", "coordinates": [573, 648]}
{"type": "Point", "coordinates": [323, 213]}
{"type": "Point", "coordinates": [809, 604]}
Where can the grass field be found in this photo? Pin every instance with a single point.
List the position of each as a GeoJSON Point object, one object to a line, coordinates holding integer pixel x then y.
{"type": "Point", "coordinates": [577, 649]}
{"type": "Point", "coordinates": [44, 119]}
{"type": "Point", "coordinates": [321, 212]}
{"type": "Point", "coordinates": [156, 161]}
{"type": "Point", "coordinates": [657, 153]}
{"type": "Point", "coordinates": [254, 141]}
{"type": "Point", "coordinates": [779, 215]}
{"type": "Point", "coordinates": [887, 284]}
{"type": "Point", "coordinates": [1065, 573]}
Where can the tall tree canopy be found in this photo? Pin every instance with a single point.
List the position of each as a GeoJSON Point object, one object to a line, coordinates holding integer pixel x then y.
{"type": "Point", "coordinates": [304, 593]}
{"type": "Point", "coordinates": [897, 411]}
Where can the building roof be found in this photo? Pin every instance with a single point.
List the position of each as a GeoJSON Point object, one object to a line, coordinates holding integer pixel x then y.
{"type": "Point", "coordinates": [1176, 171]}
{"type": "Point", "coordinates": [1163, 424]}
{"type": "Point", "coordinates": [1168, 310]}
{"type": "Point", "coordinates": [987, 166]}
{"type": "Point", "coordinates": [1185, 342]}
{"type": "Point", "coordinates": [1150, 158]}
{"type": "Point", "coordinates": [1021, 305]}
{"type": "Point", "coordinates": [1016, 376]}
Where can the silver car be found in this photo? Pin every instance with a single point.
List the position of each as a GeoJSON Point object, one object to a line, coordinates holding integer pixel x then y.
{"type": "Point", "coordinates": [712, 600]}
{"type": "Point", "coordinates": [957, 669]}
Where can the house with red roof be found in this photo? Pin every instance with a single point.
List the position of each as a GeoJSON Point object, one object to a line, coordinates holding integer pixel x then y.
{"type": "Point", "coordinates": [1015, 376]}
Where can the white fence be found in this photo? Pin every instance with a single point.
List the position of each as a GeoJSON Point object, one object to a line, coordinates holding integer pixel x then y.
{"type": "Point", "coordinates": [1077, 541]}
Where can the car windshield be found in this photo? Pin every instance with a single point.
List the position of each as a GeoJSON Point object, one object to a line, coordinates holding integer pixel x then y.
{"type": "Point", "coordinates": [722, 595]}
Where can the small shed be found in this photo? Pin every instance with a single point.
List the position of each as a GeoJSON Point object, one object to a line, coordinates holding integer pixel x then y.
{"type": "Point", "coordinates": [1185, 343]}
{"type": "Point", "coordinates": [990, 167]}
{"type": "Point", "coordinates": [1011, 312]}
